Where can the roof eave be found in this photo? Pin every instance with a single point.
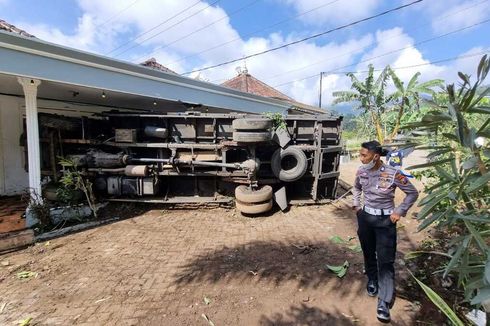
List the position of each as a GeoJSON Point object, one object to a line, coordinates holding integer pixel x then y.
{"type": "Point", "coordinates": [33, 58]}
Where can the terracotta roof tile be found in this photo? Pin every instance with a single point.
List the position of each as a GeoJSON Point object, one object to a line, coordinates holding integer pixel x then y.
{"type": "Point", "coordinates": [249, 84]}
{"type": "Point", "coordinates": [12, 29]}
{"type": "Point", "coordinates": [153, 63]}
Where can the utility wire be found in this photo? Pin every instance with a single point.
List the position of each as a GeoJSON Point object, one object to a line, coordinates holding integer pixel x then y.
{"type": "Point", "coordinates": [307, 38]}
{"type": "Point", "coordinates": [389, 52]}
{"type": "Point", "coordinates": [166, 29]}
{"type": "Point", "coordinates": [364, 47]}
{"type": "Point", "coordinates": [466, 56]}
{"type": "Point", "coordinates": [254, 32]}
{"type": "Point", "coordinates": [161, 47]}
{"type": "Point", "coordinates": [116, 14]}
{"type": "Point", "coordinates": [154, 27]}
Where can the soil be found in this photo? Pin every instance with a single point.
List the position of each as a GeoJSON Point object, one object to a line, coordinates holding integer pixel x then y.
{"type": "Point", "coordinates": [11, 214]}
{"type": "Point", "coordinates": [162, 266]}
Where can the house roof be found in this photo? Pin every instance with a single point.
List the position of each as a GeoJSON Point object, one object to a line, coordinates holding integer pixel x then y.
{"type": "Point", "coordinates": [247, 83]}
{"type": "Point", "coordinates": [13, 29]}
{"type": "Point", "coordinates": [154, 64]}
{"type": "Point", "coordinates": [53, 63]}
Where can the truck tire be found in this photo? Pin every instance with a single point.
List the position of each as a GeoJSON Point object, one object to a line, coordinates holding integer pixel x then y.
{"type": "Point", "coordinates": [251, 137]}
{"type": "Point", "coordinates": [298, 160]}
{"type": "Point", "coordinates": [245, 195]}
{"type": "Point", "coordinates": [252, 124]}
{"type": "Point", "coordinates": [254, 208]}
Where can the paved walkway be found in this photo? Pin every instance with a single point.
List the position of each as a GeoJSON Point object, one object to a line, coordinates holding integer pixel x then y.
{"type": "Point", "coordinates": [160, 267]}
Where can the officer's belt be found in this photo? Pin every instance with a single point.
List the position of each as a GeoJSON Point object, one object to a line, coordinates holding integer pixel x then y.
{"type": "Point", "coordinates": [376, 211]}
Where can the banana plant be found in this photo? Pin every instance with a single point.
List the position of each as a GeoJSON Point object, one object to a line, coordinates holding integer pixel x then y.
{"type": "Point", "coordinates": [459, 199]}
{"type": "Point", "coordinates": [408, 97]}
{"type": "Point", "coordinates": [370, 97]}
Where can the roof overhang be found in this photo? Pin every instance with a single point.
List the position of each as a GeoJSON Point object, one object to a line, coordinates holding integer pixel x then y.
{"type": "Point", "coordinates": [33, 58]}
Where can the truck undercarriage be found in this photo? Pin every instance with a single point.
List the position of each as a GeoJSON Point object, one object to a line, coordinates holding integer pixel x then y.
{"type": "Point", "coordinates": [195, 157]}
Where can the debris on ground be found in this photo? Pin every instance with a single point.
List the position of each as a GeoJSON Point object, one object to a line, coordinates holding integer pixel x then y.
{"type": "Point", "coordinates": [25, 322]}
{"type": "Point", "coordinates": [207, 319]}
{"type": "Point", "coordinates": [26, 274]}
{"type": "Point", "coordinates": [340, 270]}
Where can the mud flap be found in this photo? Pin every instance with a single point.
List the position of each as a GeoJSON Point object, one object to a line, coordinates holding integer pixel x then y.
{"type": "Point", "coordinates": [281, 199]}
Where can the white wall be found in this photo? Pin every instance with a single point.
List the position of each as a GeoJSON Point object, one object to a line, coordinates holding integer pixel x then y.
{"type": "Point", "coordinates": [13, 178]}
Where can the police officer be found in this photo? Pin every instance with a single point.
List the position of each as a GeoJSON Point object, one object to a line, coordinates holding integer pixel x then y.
{"type": "Point", "coordinates": [377, 222]}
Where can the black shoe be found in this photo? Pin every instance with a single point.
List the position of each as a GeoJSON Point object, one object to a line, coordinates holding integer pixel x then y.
{"type": "Point", "coordinates": [383, 311]}
{"type": "Point", "coordinates": [392, 303]}
{"type": "Point", "coordinates": [372, 287]}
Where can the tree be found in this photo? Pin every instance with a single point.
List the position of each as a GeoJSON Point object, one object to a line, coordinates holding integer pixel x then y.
{"type": "Point", "coordinates": [408, 97]}
{"type": "Point", "coordinates": [370, 96]}
{"type": "Point", "coordinates": [458, 201]}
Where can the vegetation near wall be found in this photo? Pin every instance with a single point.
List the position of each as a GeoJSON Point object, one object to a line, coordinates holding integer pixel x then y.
{"type": "Point", "coordinates": [453, 125]}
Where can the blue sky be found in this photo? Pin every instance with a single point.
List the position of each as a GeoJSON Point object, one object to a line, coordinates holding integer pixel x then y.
{"type": "Point", "coordinates": [401, 39]}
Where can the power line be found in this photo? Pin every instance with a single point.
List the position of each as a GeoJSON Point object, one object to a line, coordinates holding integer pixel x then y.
{"type": "Point", "coordinates": [389, 52]}
{"type": "Point", "coordinates": [161, 47]}
{"type": "Point", "coordinates": [116, 14]}
{"type": "Point", "coordinates": [364, 47]}
{"type": "Point", "coordinates": [171, 26]}
{"type": "Point", "coordinates": [154, 27]}
{"type": "Point", "coordinates": [307, 38]}
{"type": "Point", "coordinates": [254, 32]}
{"type": "Point", "coordinates": [466, 56]}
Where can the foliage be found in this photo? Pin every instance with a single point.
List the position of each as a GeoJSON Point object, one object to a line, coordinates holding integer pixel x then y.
{"type": "Point", "coordinates": [278, 121]}
{"type": "Point", "coordinates": [349, 122]}
{"type": "Point", "coordinates": [369, 95]}
{"type": "Point", "coordinates": [459, 197]}
{"type": "Point", "coordinates": [407, 98]}
{"type": "Point", "coordinates": [73, 180]}
{"type": "Point", "coordinates": [440, 303]}
{"type": "Point", "coordinates": [340, 270]}
{"type": "Point", "coordinates": [38, 207]}
{"type": "Point", "coordinates": [386, 111]}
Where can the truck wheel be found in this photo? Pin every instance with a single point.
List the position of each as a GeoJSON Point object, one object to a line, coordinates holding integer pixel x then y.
{"type": "Point", "coordinates": [252, 124]}
{"type": "Point", "coordinates": [289, 164]}
{"type": "Point", "coordinates": [254, 208]}
{"type": "Point", "coordinates": [245, 195]}
{"type": "Point", "coordinates": [251, 137]}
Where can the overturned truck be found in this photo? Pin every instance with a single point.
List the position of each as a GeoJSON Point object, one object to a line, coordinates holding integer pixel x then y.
{"type": "Point", "coordinates": [194, 157]}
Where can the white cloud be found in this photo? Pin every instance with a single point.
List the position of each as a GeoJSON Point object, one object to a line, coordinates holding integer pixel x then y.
{"type": "Point", "coordinates": [98, 30]}
{"type": "Point", "coordinates": [334, 11]}
{"type": "Point", "coordinates": [290, 63]}
{"type": "Point", "coordinates": [84, 37]}
{"type": "Point", "coordinates": [449, 15]}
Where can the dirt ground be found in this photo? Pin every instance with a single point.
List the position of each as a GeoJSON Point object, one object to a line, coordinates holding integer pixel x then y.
{"type": "Point", "coordinates": [181, 266]}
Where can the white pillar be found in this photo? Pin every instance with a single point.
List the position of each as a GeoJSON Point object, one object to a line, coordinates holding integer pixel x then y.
{"type": "Point", "coordinates": [33, 153]}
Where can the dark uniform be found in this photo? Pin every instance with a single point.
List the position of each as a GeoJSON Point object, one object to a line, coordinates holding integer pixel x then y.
{"type": "Point", "coordinates": [376, 232]}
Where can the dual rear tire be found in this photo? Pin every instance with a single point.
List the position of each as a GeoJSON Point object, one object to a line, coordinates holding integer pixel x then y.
{"type": "Point", "coordinates": [253, 202]}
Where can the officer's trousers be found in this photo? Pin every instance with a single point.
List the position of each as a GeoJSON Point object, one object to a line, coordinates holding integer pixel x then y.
{"type": "Point", "coordinates": [377, 235]}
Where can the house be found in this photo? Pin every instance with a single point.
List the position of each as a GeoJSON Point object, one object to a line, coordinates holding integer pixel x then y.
{"type": "Point", "coordinates": [247, 83]}
{"type": "Point", "coordinates": [152, 63]}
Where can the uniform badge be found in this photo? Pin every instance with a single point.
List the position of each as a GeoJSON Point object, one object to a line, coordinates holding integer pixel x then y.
{"type": "Point", "coordinates": [403, 179]}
